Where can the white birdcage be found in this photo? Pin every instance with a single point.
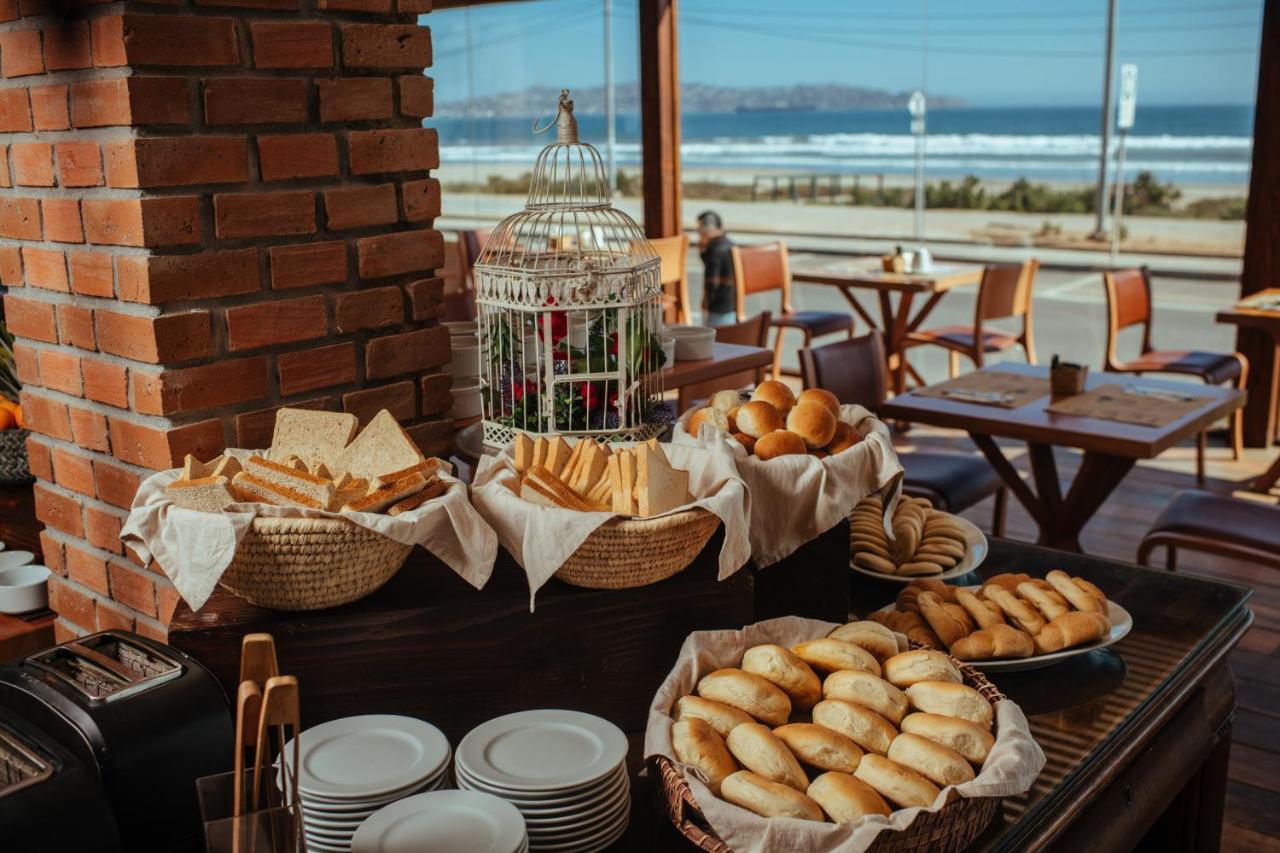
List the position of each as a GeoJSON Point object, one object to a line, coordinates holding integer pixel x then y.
{"type": "Point", "coordinates": [569, 298]}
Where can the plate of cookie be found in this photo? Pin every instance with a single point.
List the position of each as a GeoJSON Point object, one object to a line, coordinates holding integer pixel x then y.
{"type": "Point", "coordinates": [920, 541]}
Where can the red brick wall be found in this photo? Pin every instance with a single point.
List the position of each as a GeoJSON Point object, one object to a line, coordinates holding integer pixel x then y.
{"type": "Point", "coordinates": [208, 209]}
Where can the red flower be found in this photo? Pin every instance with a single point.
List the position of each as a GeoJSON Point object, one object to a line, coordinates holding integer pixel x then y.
{"type": "Point", "coordinates": [520, 389]}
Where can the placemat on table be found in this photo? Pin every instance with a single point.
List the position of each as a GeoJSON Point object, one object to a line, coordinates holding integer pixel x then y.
{"type": "Point", "coordinates": [990, 388]}
{"type": "Point", "coordinates": [1132, 406]}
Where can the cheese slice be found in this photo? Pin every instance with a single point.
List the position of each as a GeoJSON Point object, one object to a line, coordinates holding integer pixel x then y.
{"type": "Point", "coordinates": [557, 455]}
{"type": "Point", "coordinates": [627, 464]}
{"type": "Point", "coordinates": [540, 451]}
{"type": "Point", "coordinates": [659, 487]}
{"type": "Point", "coordinates": [523, 452]}
{"type": "Point", "coordinates": [591, 467]}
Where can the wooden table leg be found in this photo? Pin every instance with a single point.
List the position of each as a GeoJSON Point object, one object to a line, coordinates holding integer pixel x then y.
{"type": "Point", "coordinates": [1268, 479]}
{"type": "Point", "coordinates": [858, 308]}
{"type": "Point", "coordinates": [895, 325]}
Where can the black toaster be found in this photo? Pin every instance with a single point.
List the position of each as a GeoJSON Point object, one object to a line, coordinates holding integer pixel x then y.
{"type": "Point", "coordinates": [147, 717]}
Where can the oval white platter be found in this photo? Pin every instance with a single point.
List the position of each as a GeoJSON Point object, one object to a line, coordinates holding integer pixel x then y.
{"type": "Point", "coordinates": [974, 553]}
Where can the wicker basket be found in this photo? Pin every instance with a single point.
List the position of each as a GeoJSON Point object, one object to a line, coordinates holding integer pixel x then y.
{"type": "Point", "coordinates": [13, 457]}
{"type": "Point", "coordinates": [628, 552]}
{"type": "Point", "coordinates": [311, 563]}
{"type": "Point", "coordinates": [950, 829]}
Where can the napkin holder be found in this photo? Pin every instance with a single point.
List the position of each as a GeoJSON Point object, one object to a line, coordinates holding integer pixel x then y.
{"type": "Point", "coordinates": [1066, 379]}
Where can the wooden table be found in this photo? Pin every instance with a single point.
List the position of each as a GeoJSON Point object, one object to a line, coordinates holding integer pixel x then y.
{"type": "Point", "coordinates": [1246, 315]}
{"type": "Point", "coordinates": [20, 531]}
{"type": "Point", "coordinates": [850, 274]}
{"type": "Point", "coordinates": [1110, 448]}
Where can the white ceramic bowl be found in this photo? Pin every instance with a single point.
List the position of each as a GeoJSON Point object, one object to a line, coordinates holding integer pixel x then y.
{"type": "Point", "coordinates": [668, 349]}
{"type": "Point", "coordinates": [466, 400]}
{"type": "Point", "coordinates": [693, 343]}
{"type": "Point", "coordinates": [465, 364]}
{"type": "Point", "coordinates": [24, 588]}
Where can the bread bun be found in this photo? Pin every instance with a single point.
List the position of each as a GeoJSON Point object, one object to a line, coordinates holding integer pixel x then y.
{"type": "Point", "coordinates": [863, 688]}
{"type": "Point", "coordinates": [748, 693]}
{"type": "Point", "coordinates": [871, 636]}
{"type": "Point", "coordinates": [726, 401]}
{"type": "Point", "coordinates": [779, 443]}
{"type": "Point", "coordinates": [1076, 593]}
{"type": "Point", "coordinates": [754, 793]}
{"type": "Point", "coordinates": [757, 419]}
{"type": "Point", "coordinates": [844, 437]}
{"type": "Point", "coordinates": [775, 393]}
{"type": "Point", "coordinates": [821, 396]}
{"type": "Point", "coordinates": [783, 667]}
{"type": "Point", "coordinates": [951, 700]}
{"type": "Point", "coordinates": [715, 417]}
{"type": "Point", "coordinates": [845, 799]}
{"type": "Point", "coordinates": [905, 669]}
{"type": "Point", "coordinates": [748, 443]}
{"type": "Point", "coordinates": [820, 747]}
{"type": "Point", "coordinates": [721, 717]}
{"type": "Point", "coordinates": [733, 418]}
{"type": "Point", "coordinates": [998, 641]}
{"type": "Point", "coordinates": [969, 740]}
{"type": "Point", "coordinates": [814, 423]}
{"type": "Point", "coordinates": [695, 743]}
{"type": "Point", "coordinates": [1045, 599]}
{"type": "Point", "coordinates": [896, 783]}
{"type": "Point", "coordinates": [937, 763]}
{"type": "Point", "coordinates": [983, 613]}
{"type": "Point", "coordinates": [1072, 629]}
{"type": "Point", "coordinates": [831, 655]}
{"type": "Point", "coordinates": [757, 749]}
{"type": "Point", "coordinates": [860, 724]}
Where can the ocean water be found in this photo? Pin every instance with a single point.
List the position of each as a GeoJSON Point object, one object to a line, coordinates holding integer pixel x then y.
{"type": "Point", "coordinates": [1208, 144]}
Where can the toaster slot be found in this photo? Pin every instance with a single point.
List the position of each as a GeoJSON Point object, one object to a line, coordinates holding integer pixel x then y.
{"type": "Point", "coordinates": [107, 666]}
{"type": "Point", "coordinates": [139, 662]}
{"type": "Point", "coordinates": [19, 764]}
{"type": "Point", "coordinates": [92, 679]}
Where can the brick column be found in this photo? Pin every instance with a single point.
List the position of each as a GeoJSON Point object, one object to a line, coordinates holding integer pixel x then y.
{"type": "Point", "coordinates": [210, 208]}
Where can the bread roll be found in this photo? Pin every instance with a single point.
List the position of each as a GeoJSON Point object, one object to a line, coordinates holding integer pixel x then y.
{"type": "Point", "coordinates": [768, 799]}
{"type": "Point", "coordinates": [781, 666]}
{"type": "Point", "coordinates": [757, 419]}
{"type": "Point", "coordinates": [721, 717]}
{"type": "Point", "coordinates": [779, 443]}
{"type": "Point", "coordinates": [1019, 612]}
{"type": "Point", "coordinates": [860, 724]}
{"type": "Point", "coordinates": [1075, 593]}
{"type": "Point", "coordinates": [832, 655]}
{"type": "Point", "coordinates": [983, 613]}
{"type": "Point", "coordinates": [1072, 629]}
{"type": "Point", "coordinates": [863, 688]}
{"type": "Point", "coordinates": [748, 443]}
{"type": "Point", "coordinates": [969, 740]}
{"type": "Point", "coordinates": [820, 747]}
{"type": "Point", "coordinates": [844, 437]}
{"type": "Point", "coordinates": [994, 643]}
{"type": "Point", "coordinates": [845, 798]}
{"type": "Point", "coordinates": [906, 668]}
{"type": "Point", "coordinates": [951, 700]}
{"type": "Point", "coordinates": [709, 415]}
{"type": "Point", "coordinates": [726, 401]}
{"type": "Point", "coordinates": [1006, 580]}
{"type": "Point", "coordinates": [871, 636]}
{"type": "Point", "coordinates": [822, 397]}
{"type": "Point", "coordinates": [1044, 598]}
{"type": "Point", "coordinates": [746, 692]}
{"type": "Point", "coordinates": [695, 743]}
{"type": "Point", "coordinates": [814, 423]}
{"type": "Point", "coordinates": [944, 621]}
{"type": "Point", "coordinates": [939, 764]}
{"type": "Point", "coordinates": [776, 394]}
{"type": "Point", "coordinates": [757, 749]}
{"type": "Point", "coordinates": [896, 783]}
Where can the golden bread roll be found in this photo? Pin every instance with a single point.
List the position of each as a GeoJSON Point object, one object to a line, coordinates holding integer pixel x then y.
{"type": "Point", "coordinates": [906, 668]}
{"type": "Point", "coordinates": [748, 443]}
{"type": "Point", "coordinates": [831, 655]}
{"type": "Point", "coordinates": [715, 417]}
{"type": "Point", "coordinates": [951, 700]}
{"type": "Point", "coordinates": [896, 783]}
{"type": "Point", "coordinates": [935, 762]}
{"type": "Point", "coordinates": [757, 419]}
{"type": "Point", "coordinates": [814, 423]}
{"type": "Point", "coordinates": [721, 717]}
{"type": "Point", "coordinates": [726, 401]}
{"type": "Point", "coordinates": [757, 749]}
{"type": "Point", "coordinates": [783, 667]}
{"type": "Point", "coordinates": [942, 589]}
{"type": "Point", "coordinates": [779, 443]}
{"type": "Point", "coordinates": [984, 614]}
{"type": "Point", "coordinates": [871, 636]}
{"type": "Point", "coordinates": [994, 643]}
{"type": "Point", "coordinates": [733, 418]}
{"type": "Point", "coordinates": [776, 394]}
{"type": "Point", "coordinates": [822, 397]}
{"type": "Point", "coordinates": [1020, 613]}
{"type": "Point", "coordinates": [942, 619]}
{"type": "Point", "coordinates": [768, 799]}
{"type": "Point", "coordinates": [845, 437]}
{"type": "Point", "coordinates": [845, 799]}
{"type": "Point", "coordinates": [860, 724]}
{"type": "Point", "coordinates": [970, 740]}
{"type": "Point", "coordinates": [863, 688]}
{"type": "Point", "coordinates": [820, 747]}
{"type": "Point", "coordinates": [695, 743]}
{"type": "Point", "coordinates": [1072, 629]}
{"type": "Point", "coordinates": [1091, 589]}
{"type": "Point", "coordinates": [1076, 594]}
{"type": "Point", "coordinates": [1045, 599]}
{"type": "Point", "coordinates": [1006, 580]}
{"type": "Point", "coordinates": [746, 692]}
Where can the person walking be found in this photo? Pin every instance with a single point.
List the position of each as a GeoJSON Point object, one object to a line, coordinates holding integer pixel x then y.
{"type": "Point", "coordinates": [719, 298]}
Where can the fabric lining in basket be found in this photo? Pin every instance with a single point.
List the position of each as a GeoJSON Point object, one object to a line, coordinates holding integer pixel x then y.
{"type": "Point", "coordinates": [14, 467]}
{"type": "Point", "coordinates": [629, 552]}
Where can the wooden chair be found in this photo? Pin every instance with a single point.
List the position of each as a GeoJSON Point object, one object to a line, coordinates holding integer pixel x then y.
{"type": "Point", "coordinates": [752, 332]}
{"type": "Point", "coordinates": [674, 252]}
{"type": "Point", "coordinates": [855, 371]}
{"type": "Point", "coordinates": [761, 268]}
{"type": "Point", "coordinates": [1215, 524]}
{"type": "Point", "coordinates": [1004, 293]}
{"type": "Point", "coordinates": [1129, 304]}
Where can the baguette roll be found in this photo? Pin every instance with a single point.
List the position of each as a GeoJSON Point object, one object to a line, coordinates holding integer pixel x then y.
{"type": "Point", "coordinates": [863, 688]}
{"type": "Point", "coordinates": [870, 731]}
{"type": "Point", "coordinates": [897, 784]}
{"type": "Point", "coordinates": [746, 692]}
{"type": "Point", "coordinates": [760, 751]}
{"type": "Point", "coordinates": [695, 743]}
{"type": "Point", "coordinates": [871, 636]}
{"type": "Point", "coordinates": [951, 700]}
{"type": "Point", "coordinates": [757, 794]}
{"type": "Point", "coordinates": [963, 737]}
{"type": "Point", "coordinates": [994, 643]}
{"type": "Point", "coordinates": [939, 764]}
{"type": "Point", "coordinates": [1072, 629]}
{"type": "Point", "coordinates": [719, 716]}
{"type": "Point", "coordinates": [1073, 592]}
{"type": "Point", "coordinates": [845, 799]}
{"type": "Point", "coordinates": [830, 655]}
{"type": "Point", "coordinates": [820, 747]}
{"type": "Point", "coordinates": [906, 668]}
{"type": "Point", "coordinates": [782, 667]}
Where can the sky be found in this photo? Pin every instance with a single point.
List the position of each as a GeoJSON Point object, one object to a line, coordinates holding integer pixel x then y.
{"type": "Point", "coordinates": [986, 52]}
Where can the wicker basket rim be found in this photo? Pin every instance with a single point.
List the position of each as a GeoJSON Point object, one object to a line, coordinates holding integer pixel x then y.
{"type": "Point", "coordinates": [658, 523]}
{"type": "Point", "coordinates": [272, 524]}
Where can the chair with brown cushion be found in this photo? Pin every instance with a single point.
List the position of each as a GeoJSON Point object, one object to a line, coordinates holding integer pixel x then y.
{"type": "Point", "coordinates": [1215, 524]}
{"type": "Point", "coordinates": [761, 268]}
{"type": "Point", "coordinates": [752, 332]}
{"type": "Point", "coordinates": [674, 252]}
{"type": "Point", "coordinates": [1004, 293]}
{"type": "Point", "coordinates": [855, 371]}
{"type": "Point", "coordinates": [1129, 304]}
{"type": "Point", "coordinates": [461, 304]}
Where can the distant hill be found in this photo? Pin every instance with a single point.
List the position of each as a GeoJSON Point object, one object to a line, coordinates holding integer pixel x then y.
{"type": "Point", "coordinates": [694, 98]}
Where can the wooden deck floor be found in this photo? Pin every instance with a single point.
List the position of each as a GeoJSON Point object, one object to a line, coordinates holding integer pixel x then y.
{"type": "Point", "coordinates": [1253, 796]}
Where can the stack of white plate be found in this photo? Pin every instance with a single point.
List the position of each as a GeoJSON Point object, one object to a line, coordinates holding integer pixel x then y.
{"type": "Point", "coordinates": [445, 821]}
{"type": "Point", "coordinates": [564, 770]}
{"type": "Point", "coordinates": [351, 768]}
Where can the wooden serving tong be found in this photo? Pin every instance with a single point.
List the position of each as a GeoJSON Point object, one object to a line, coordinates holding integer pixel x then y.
{"type": "Point", "coordinates": [258, 663]}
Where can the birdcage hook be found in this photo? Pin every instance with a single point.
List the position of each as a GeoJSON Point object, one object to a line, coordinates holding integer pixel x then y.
{"type": "Point", "coordinates": [566, 125]}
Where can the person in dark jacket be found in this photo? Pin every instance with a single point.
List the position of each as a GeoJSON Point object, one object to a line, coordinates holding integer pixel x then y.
{"type": "Point", "coordinates": [719, 299]}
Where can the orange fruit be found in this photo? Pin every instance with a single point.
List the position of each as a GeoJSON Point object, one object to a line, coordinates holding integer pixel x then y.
{"type": "Point", "coordinates": [7, 420]}
{"type": "Point", "coordinates": [17, 417]}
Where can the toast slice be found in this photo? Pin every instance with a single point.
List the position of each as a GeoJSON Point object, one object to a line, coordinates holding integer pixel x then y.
{"type": "Point", "coordinates": [540, 496]}
{"type": "Point", "coordinates": [619, 498]}
{"type": "Point", "coordinates": [313, 436]}
{"type": "Point", "coordinates": [557, 454]}
{"type": "Point", "coordinates": [427, 468]}
{"type": "Point", "coordinates": [590, 466]}
{"type": "Point", "coordinates": [251, 489]}
{"type": "Point", "coordinates": [575, 453]}
{"type": "Point", "coordinates": [627, 466]}
{"type": "Point", "coordinates": [316, 489]}
{"type": "Point", "coordinates": [540, 451]}
{"type": "Point", "coordinates": [194, 469]}
{"type": "Point", "coordinates": [228, 467]}
{"type": "Point", "coordinates": [380, 499]}
{"type": "Point", "coordinates": [381, 448]}
{"type": "Point", "coordinates": [564, 496]}
{"type": "Point", "coordinates": [659, 487]}
{"type": "Point", "coordinates": [206, 494]}
{"type": "Point", "coordinates": [524, 447]}
{"type": "Point", "coordinates": [434, 489]}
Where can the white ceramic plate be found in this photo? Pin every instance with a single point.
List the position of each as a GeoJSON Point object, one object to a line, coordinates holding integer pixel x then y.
{"type": "Point", "coordinates": [546, 750]}
{"type": "Point", "coordinates": [598, 840]}
{"type": "Point", "coordinates": [454, 821]}
{"type": "Point", "coordinates": [366, 757]}
{"type": "Point", "coordinates": [561, 799]}
{"type": "Point", "coordinates": [312, 802]}
{"type": "Point", "coordinates": [13, 559]}
{"type": "Point", "coordinates": [975, 553]}
{"type": "Point", "coordinates": [602, 813]}
{"type": "Point", "coordinates": [535, 811]}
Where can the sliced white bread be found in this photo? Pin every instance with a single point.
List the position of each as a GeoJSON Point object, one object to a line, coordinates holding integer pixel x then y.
{"type": "Point", "coordinates": [381, 499]}
{"type": "Point", "coordinates": [540, 451]}
{"type": "Point", "coordinates": [524, 446]}
{"type": "Point", "coordinates": [251, 489]}
{"type": "Point", "coordinates": [311, 435]}
{"type": "Point", "coordinates": [381, 448]}
{"type": "Point", "coordinates": [557, 454]}
{"type": "Point", "coordinates": [206, 494]}
{"type": "Point", "coordinates": [590, 469]}
{"type": "Point", "coordinates": [659, 487]}
{"type": "Point", "coordinates": [434, 489]}
{"type": "Point", "coordinates": [627, 462]}
{"type": "Point", "coordinates": [427, 468]}
{"type": "Point", "coordinates": [194, 469]}
{"type": "Point", "coordinates": [228, 466]}
{"type": "Point", "coordinates": [317, 489]}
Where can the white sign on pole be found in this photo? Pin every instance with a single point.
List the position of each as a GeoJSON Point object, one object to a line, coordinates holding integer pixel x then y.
{"type": "Point", "coordinates": [916, 106]}
{"type": "Point", "coordinates": [1128, 96]}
